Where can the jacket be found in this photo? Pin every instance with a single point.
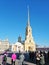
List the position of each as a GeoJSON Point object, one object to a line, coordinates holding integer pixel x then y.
{"type": "Point", "coordinates": [14, 57]}
{"type": "Point", "coordinates": [42, 61]}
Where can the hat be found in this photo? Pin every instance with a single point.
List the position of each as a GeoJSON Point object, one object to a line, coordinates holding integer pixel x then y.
{"type": "Point", "coordinates": [5, 54]}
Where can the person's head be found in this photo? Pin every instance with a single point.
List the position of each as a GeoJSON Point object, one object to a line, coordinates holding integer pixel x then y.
{"type": "Point", "coordinates": [4, 54]}
{"type": "Point", "coordinates": [42, 54]}
{"type": "Point", "coordinates": [22, 53]}
{"type": "Point", "coordinates": [14, 53]}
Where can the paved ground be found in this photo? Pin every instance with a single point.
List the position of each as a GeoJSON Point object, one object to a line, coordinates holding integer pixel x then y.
{"type": "Point", "coordinates": [17, 61]}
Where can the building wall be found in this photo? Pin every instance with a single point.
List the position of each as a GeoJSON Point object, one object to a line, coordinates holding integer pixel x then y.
{"type": "Point", "coordinates": [17, 47]}
{"type": "Point", "coordinates": [4, 45]}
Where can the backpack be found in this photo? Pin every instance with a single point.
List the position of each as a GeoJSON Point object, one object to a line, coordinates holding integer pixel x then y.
{"type": "Point", "coordinates": [4, 58]}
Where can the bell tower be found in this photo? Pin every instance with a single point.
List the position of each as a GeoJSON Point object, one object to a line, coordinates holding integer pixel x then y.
{"type": "Point", "coordinates": [29, 42]}
{"type": "Point", "coordinates": [28, 34]}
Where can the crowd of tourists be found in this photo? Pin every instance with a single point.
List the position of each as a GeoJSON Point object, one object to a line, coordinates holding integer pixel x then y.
{"type": "Point", "coordinates": [13, 59]}
{"type": "Point", "coordinates": [39, 58]}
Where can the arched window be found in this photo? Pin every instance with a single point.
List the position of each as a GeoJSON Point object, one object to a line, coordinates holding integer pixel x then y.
{"type": "Point", "coordinates": [29, 40]}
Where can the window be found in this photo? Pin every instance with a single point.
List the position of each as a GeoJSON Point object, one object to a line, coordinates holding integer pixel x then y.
{"type": "Point", "coordinates": [29, 30]}
{"type": "Point", "coordinates": [29, 40]}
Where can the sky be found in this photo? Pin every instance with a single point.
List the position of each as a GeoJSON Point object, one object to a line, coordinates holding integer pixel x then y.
{"type": "Point", "coordinates": [14, 16]}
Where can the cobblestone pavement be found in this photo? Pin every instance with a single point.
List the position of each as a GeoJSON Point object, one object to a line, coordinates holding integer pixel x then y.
{"type": "Point", "coordinates": [17, 61]}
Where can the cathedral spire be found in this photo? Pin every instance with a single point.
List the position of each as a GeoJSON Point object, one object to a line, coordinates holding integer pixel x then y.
{"type": "Point", "coordinates": [28, 16]}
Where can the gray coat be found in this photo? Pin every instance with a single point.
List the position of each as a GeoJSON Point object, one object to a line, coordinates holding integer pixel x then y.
{"type": "Point", "coordinates": [21, 57]}
{"type": "Point", "coordinates": [42, 60]}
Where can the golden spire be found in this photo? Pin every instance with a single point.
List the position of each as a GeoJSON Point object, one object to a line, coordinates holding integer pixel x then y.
{"type": "Point", "coordinates": [28, 16]}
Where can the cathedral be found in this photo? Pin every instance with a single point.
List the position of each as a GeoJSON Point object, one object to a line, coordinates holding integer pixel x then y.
{"type": "Point", "coordinates": [29, 44]}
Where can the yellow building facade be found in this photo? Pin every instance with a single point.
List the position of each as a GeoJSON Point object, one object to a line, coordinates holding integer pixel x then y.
{"type": "Point", "coordinates": [29, 44]}
{"type": "Point", "coordinates": [4, 45]}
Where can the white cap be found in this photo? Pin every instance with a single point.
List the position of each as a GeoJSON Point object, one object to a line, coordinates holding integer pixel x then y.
{"type": "Point", "coordinates": [4, 54]}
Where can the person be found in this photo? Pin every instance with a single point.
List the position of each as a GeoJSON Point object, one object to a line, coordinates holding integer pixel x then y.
{"type": "Point", "coordinates": [48, 56]}
{"type": "Point", "coordinates": [13, 58]}
{"type": "Point", "coordinates": [4, 59]}
{"type": "Point", "coordinates": [21, 59]}
{"type": "Point", "coordinates": [38, 58]}
{"type": "Point", "coordinates": [42, 60]}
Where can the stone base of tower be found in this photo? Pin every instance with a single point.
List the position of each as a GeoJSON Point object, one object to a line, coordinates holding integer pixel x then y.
{"type": "Point", "coordinates": [30, 47]}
